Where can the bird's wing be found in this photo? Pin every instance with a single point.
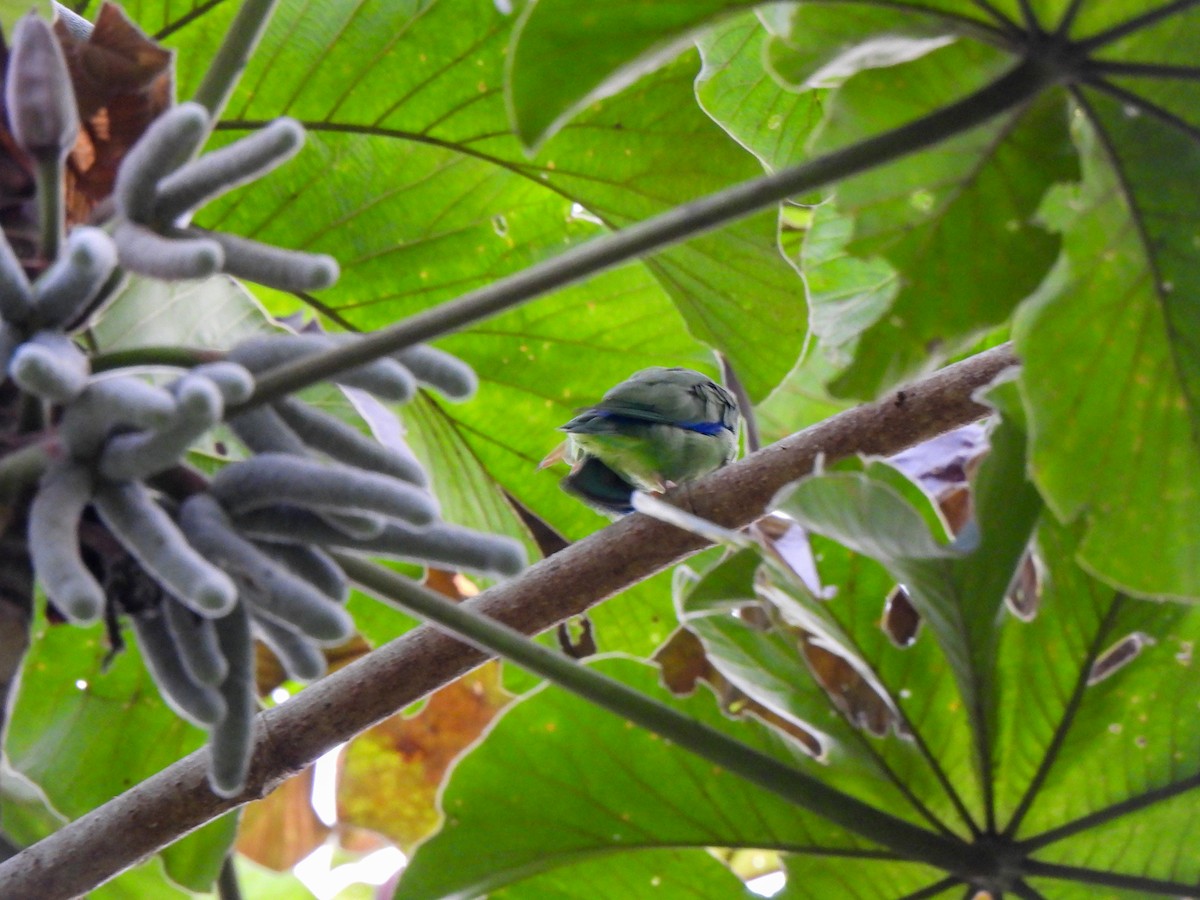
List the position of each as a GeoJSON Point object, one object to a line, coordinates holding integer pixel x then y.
{"type": "Point", "coordinates": [663, 396]}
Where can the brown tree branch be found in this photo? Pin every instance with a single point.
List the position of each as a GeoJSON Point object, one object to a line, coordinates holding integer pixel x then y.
{"type": "Point", "coordinates": [164, 807]}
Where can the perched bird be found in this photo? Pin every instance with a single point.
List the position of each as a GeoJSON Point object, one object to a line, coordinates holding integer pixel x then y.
{"type": "Point", "coordinates": [658, 428]}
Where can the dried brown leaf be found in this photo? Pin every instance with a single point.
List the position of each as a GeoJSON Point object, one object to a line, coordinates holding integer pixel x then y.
{"type": "Point", "coordinates": [852, 693]}
{"type": "Point", "coordinates": [281, 829]}
{"type": "Point", "coordinates": [123, 81]}
{"type": "Point", "coordinates": [390, 775]}
{"type": "Point", "coordinates": [684, 663]}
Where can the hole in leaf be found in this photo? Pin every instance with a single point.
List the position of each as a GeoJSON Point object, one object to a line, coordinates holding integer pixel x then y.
{"type": "Point", "coordinates": [1118, 655]}
{"type": "Point", "coordinates": [1024, 595]}
{"type": "Point", "coordinates": [901, 621]}
{"type": "Point", "coordinates": [684, 663]}
{"type": "Point", "coordinates": [850, 690]}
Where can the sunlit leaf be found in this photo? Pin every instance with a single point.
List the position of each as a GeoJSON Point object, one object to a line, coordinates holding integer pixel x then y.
{"type": "Point", "coordinates": [583, 783]}
{"type": "Point", "coordinates": [567, 53]}
{"type": "Point", "coordinates": [1112, 355]}
{"type": "Point", "coordinates": [928, 215]}
{"type": "Point", "coordinates": [390, 775]}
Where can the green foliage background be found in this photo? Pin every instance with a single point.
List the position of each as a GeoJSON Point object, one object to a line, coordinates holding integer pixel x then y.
{"type": "Point", "coordinates": [1069, 221]}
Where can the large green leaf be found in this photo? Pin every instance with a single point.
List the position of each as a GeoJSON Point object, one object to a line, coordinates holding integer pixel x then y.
{"type": "Point", "coordinates": [1112, 354]}
{"type": "Point", "coordinates": [85, 732]}
{"type": "Point", "coordinates": [583, 783]}
{"type": "Point", "coordinates": [567, 53]}
{"type": "Point", "coordinates": [812, 47]}
{"type": "Point", "coordinates": [812, 876]}
{"type": "Point", "coordinates": [959, 589]}
{"type": "Point", "coordinates": [929, 216]}
{"type": "Point", "coordinates": [407, 92]}
{"type": "Point", "coordinates": [1122, 748]}
{"type": "Point", "coordinates": [641, 875]}
{"type": "Point", "coordinates": [737, 91]}
{"type": "Point", "coordinates": [421, 203]}
{"type": "Point", "coordinates": [900, 776]}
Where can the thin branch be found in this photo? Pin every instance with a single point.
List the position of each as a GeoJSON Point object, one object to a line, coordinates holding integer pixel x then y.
{"type": "Point", "coordinates": [226, 68]}
{"type": "Point", "coordinates": [1010, 91]}
{"type": "Point", "coordinates": [227, 882]}
{"type": "Point", "coordinates": [174, 355]}
{"type": "Point", "coordinates": [51, 203]}
{"type": "Point", "coordinates": [1110, 813]}
{"type": "Point", "coordinates": [1081, 875]}
{"type": "Point", "coordinates": [730, 379]}
{"type": "Point", "coordinates": [292, 736]}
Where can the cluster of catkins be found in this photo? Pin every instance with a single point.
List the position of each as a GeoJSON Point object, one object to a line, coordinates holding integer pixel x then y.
{"type": "Point", "coordinates": [248, 554]}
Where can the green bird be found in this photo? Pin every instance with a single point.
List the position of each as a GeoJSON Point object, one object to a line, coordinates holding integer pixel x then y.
{"type": "Point", "coordinates": [658, 428]}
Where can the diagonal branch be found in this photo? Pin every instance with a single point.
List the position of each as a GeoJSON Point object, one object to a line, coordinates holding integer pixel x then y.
{"type": "Point", "coordinates": [290, 737]}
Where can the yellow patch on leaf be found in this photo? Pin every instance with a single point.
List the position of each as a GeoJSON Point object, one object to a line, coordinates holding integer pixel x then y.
{"type": "Point", "coordinates": [390, 775]}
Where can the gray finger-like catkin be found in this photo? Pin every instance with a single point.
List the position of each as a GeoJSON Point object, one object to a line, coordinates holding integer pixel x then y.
{"type": "Point", "coordinates": [385, 378]}
{"type": "Point", "coordinates": [355, 525]}
{"type": "Point", "coordinates": [141, 454]}
{"type": "Point", "coordinates": [263, 431]}
{"type": "Point", "coordinates": [284, 270]}
{"type": "Point", "coordinates": [171, 259]}
{"type": "Point", "coordinates": [202, 179]}
{"type": "Point", "coordinates": [312, 565]}
{"type": "Point", "coordinates": [50, 366]}
{"type": "Point", "coordinates": [291, 525]}
{"type": "Point", "coordinates": [199, 703]}
{"type": "Point", "coordinates": [271, 478]}
{"type": "Point", "coordinates": [235, 382]}
{"type": "Point", "coordinates": [54, 517]}
{"type": "Point", "coordinates": [342, 442]}
{"type": "Point", "coordinates": [447, 545]}
{"type": "Point", "coordinates": [440, 544]}
{"type": "Point", "coordinates": [231, 741]}
{"type": "Point", "coordinates": [271, 588]}
{"type": "Point", "coordinates": [16, 294]}
{"type": "Point", "coordinates": [437, 369]}
{"type": "Point", "coordinates": [153, 539]}
{"type": "Point", "coordinates": [42, 113]}
{"type": "Point", "coordinates": [300, 658]}
{"type": "Point", "coordinates": [167, 144]}
{"type": "Point", "coordinates": [109, 403]}
{"type": "Point", "coordinates": [196, 638]}
{"type": "Point", "coordinates": [10, 339]}
{"type": "Point", "coordinates": [71, 283]}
